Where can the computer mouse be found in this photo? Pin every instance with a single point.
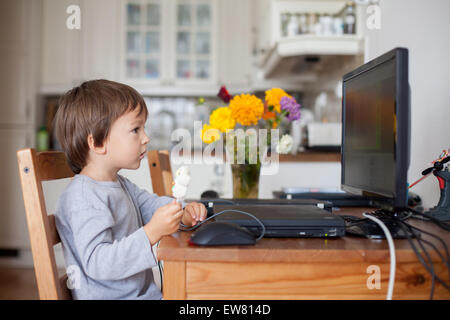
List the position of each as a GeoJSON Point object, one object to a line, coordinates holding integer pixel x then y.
{"type": "Point", "coordinates": [222, 234]}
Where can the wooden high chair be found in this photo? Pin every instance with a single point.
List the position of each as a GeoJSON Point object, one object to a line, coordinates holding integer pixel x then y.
{"type": "Point", "coordinates": [160, 172]}
{"type": "Point", "coordinates": [35, 167]}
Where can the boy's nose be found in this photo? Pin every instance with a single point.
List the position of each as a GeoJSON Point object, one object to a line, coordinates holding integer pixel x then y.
{"type": "Point", "coordinates": [146, 139]}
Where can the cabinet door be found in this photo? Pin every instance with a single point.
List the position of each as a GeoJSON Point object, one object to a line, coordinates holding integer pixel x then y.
{"type": "Point", "coordinates": [194, 35]}
{"type": "Point", "coordinates": [13, 226]}
{"type": "Point", "coordinates": [142, 43]}
{"type": "Point", "coordinates": [100, 41]}
{"type": "Point", "coordinates": [62, 58]}
{"type": "Point", "coordinates": [170, 42]}
{"type": "Point", "coordinates": [15, 107]}
{"type": "Point", "coordinates": [235, 46]}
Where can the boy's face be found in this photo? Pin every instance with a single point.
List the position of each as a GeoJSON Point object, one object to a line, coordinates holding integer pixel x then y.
{"type": "Point", "coordinates": [127, 141]}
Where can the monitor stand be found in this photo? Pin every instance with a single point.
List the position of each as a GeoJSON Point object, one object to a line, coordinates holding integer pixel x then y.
{"type": "Point", "coordinates": [364, 227]}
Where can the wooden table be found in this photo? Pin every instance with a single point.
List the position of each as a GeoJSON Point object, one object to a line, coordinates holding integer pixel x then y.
{"type": "Point", "coordinates": [277, 268]}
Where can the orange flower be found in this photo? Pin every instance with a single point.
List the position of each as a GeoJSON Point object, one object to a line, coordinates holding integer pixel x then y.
{"type": "Point", "coordinates": [246, 109]}
{"type": "Point", "coordinates": [273, 97]}
{"type": "Point", "coordinates": [269, 115]}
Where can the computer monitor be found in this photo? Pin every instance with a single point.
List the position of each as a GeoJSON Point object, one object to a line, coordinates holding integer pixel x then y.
{"type": "Point", "coordinates": [376, 130]}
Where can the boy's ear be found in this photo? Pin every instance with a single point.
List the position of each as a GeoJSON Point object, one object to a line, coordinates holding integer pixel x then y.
{"type": "Point", "coordinates": [96, 149]}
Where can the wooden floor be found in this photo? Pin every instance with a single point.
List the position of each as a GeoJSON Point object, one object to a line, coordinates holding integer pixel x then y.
{"type": "Point", "coordinates": [18, 284]}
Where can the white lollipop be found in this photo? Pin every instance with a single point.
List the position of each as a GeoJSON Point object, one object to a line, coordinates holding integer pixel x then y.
{"type": "Point", "coordinates": [182, 179]}
{"type": "Point", "coordinates": [179, 192]}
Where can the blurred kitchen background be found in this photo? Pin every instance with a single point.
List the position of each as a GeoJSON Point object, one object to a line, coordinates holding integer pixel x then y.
{"type": "Point", "coordinates": [177, 51]}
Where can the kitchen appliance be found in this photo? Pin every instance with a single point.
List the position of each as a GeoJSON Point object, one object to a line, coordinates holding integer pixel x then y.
{"type": "Point", "coordinates": [324, 135]}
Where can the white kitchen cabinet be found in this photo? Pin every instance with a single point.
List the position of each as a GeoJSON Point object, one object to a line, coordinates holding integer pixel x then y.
{"type": "Point", "coordinates": [139, 42]}
{"type": "Point", "coordinates": [170, 43]}
{"type": "Point", "coordinates": [15, 107]}
{"type": "Point", "coordinates": [236, 44]}
{"type": "Point", "coordinates": [100, 40]}
{"type": "Point", "coordinates": [161, 47]}
{"type": "Point", "coordinates": [305, 42]}
{"type": "Point", "coordinates": [13, 227]}
{"type": "Point", "coordinates": [61, 61]}
{"type": "Point", "coordinates": [194, 39]}
{"type": "Point", "coordinates": [18, 60]}
{"type": "Point", "coordinates": [144, 33]}
{"type": "Point", "coordinates": [71, 56]}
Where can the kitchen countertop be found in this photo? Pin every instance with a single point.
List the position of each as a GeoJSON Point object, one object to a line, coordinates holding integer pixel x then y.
{"type": "Point", "coordinates": [311, 156]}
{"type": "Point", "coordinates": [305, 156]}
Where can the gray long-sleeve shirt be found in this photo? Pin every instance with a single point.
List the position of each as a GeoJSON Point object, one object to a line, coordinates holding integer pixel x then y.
{"type": "Point", "coordinates": [106, 250]}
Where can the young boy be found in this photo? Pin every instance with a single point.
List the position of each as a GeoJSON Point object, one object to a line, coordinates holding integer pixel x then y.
{"type": "Point", "coordinates": [107, 224]}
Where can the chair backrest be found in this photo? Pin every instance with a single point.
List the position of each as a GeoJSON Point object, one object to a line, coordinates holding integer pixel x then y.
{"type": "Point", "coordinates": [160, 172]}
{"type": "Point", "coordinates": [35, 167]}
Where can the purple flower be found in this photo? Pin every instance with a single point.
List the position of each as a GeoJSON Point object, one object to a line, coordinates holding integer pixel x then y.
{"type": "Point", "coordinates": [292, 108]}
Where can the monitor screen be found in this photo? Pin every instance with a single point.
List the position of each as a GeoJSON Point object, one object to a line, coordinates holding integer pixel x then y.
{"type": "Point", "coordinates": [375, 145]}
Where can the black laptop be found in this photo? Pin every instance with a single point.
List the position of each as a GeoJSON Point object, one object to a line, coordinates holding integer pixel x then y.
{"type": "Point", "coordinates": [211, 202]}
{"type": "Point", "coordinates": [284, 221]}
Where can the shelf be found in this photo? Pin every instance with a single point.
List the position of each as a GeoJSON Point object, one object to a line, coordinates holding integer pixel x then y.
{"type": "Point", "coordinates": [288, 52]}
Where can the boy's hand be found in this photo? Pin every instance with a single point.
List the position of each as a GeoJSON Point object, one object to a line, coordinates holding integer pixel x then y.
{"type": "Point", "coordinates": [193, 213]}
{"type": "Point", "coordinates": [165, 221]}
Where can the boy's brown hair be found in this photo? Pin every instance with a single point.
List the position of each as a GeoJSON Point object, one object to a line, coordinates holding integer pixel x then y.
{"type": "Point", "coordinates": [92, 108]}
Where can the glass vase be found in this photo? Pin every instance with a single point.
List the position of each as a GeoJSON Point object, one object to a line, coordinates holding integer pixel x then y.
{"type": "Point", "coordinates": [246, 180]}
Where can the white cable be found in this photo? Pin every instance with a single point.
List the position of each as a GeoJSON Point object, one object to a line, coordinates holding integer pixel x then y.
{"type": "Point", "coordinates": [391, 252]}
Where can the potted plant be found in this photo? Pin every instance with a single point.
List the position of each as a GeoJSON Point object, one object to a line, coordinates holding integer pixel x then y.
{"type": "Point", "coordinates": [238, 125]}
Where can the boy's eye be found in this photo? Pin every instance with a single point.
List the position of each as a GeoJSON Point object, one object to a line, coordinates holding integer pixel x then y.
{"type": "Point", "coordinates": [135, 130]}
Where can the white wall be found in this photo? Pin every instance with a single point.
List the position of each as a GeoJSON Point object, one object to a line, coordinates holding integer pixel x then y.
{"type": "Point", "coordinates": [424, 28]}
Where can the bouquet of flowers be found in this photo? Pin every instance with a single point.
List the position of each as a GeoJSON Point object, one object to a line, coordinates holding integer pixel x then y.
{"type": "Point", "coordinates": [249, 113]}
